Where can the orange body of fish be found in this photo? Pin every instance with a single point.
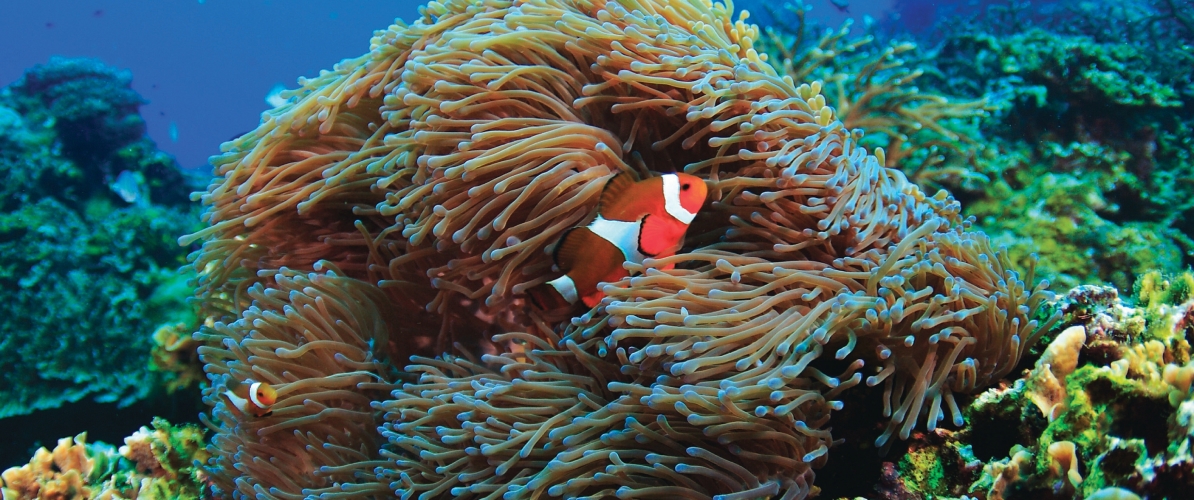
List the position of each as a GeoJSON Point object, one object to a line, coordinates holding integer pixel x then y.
{"type": "Point", "coordinates": [635, 220]}
{"type": "Point", "coordinates": [254, 398]}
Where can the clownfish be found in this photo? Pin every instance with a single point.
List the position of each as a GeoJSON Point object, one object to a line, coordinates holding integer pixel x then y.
{"type": "Point", "coordinates": [635, 220]}
{"type": "Point", "coordinates": [254, 398]}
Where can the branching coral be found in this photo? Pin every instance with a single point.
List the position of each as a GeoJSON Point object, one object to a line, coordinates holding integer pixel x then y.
{"type": "Point", "coordinates": [442, 167]}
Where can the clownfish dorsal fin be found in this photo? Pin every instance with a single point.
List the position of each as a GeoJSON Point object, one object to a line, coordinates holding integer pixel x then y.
{"type": "Point", "coordinates": [614, 189]}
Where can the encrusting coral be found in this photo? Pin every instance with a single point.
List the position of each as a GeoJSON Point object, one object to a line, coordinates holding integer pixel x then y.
{"type": "Point", "coordinates": [1046, 383]}
{"type": "Point", "coordinates": [407, 199]}
{"type": "Point", "coordinates": [62, 473]}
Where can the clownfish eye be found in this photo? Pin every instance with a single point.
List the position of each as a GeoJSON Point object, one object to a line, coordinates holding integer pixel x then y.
{"type": "Point", "coordinates": [685, 186]}
{"type": "Point", "coordinates": [260, 393]}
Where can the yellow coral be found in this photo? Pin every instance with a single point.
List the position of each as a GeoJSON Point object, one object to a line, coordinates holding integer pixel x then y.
{"type": "Point", "coordinates": [1001, 475]}
{"type": "Point", "coordinates": [175, 352]}
{"type": "Point", "coordinates": [164, 459]}
{"type": "Point", "coordinates": [1143, 361]}
{"type": "Point", "coordinates": [61, 474]}
{"type": "Point", "coordinates": [1180, 378]}
{"type": "Point", "coordinates": [1063, 462]}
{"type": "Point", "coordinates": [1046, 382]}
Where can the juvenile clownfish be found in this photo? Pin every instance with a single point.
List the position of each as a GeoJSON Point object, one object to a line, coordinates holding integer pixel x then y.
{"type": "Point", "coordinates": [635, 220]}
{"type": "Point", "coordinates": [254, 398]}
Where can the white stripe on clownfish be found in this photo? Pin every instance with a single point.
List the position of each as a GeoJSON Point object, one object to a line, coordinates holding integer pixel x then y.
{"type": "Point", "coordinates": [671, 199]}
{"type": "Point", "coordinates": [253, 396]}
{"type": "Point", "coordinates": [623, 235]}
{"type": "Point", "coordinates": [566, 287]}
{"type": "Point", "coordinates": [237, 401]}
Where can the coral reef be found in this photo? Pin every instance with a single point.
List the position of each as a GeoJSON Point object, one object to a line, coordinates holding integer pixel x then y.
{"type": "Point", "coordinates": [1120, 427]}
{"type": "Point", "coordinates": [398, 206]}
{"type": "Point", "coordinates": [1066, 136]}
{"type": "Point", "coordinates": [86, 274]}
{"type": "Point", "coordinates": [402, 203]}
{"type": "Point", "coordinates": [152, 464]}
{"type": "Point", "coordinates": [1087, 149]}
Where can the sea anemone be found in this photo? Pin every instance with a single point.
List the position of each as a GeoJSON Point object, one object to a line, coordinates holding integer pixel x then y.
{"type": "Point", "coordinates": [420, 188]}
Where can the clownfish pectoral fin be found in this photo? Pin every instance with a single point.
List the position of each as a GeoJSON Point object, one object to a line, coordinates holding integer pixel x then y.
{"type": "Point", "coordinates": [615, 188]}
{"type": "Point", "coordinates": [591, 300]}
{"type": "Point", "coordinates": [656, 237]}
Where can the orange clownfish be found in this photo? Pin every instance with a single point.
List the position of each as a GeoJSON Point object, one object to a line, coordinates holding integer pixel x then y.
{"type": "Point", "coordinates": [255, 398]}
{"type": "Point", "coordinates": [635, 220]}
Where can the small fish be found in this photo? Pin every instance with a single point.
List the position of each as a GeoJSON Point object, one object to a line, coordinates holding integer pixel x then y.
{"type": "Point", "coordinates": [130, 186]}
{"type": "Point", "coordinates": [635, 220]}
{"type": "Point", "coordinates": [274, 96]}
{"type": "Point", "coordinates": [842, 5]}
{"type": "Point", "coordinates": [254, 398]}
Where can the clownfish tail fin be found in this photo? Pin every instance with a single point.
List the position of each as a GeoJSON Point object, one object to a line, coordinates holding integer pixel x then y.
{"type": "Point", "coordinates": [614, 188]}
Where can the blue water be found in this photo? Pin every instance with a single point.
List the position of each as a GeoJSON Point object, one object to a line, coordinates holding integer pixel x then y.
{"type": "Point", "coordinates": [204, 66]}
